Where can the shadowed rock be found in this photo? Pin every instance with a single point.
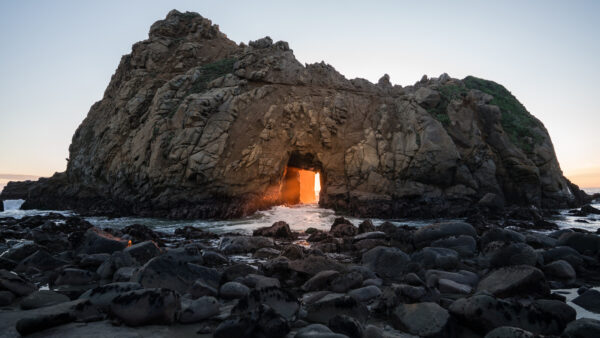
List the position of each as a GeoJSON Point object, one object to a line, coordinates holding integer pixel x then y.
{"type": "Point", "coordinates": [146, 306]}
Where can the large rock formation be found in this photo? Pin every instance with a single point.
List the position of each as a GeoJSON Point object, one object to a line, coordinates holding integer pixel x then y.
{"type": "Point", "coordinates": [194, 125]}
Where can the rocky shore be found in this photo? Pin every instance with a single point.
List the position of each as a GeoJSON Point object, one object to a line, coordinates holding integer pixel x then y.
{"type": "Point", "coordinates": [62, 277]}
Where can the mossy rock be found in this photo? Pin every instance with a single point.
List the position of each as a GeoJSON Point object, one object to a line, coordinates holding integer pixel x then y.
{"type": "Point", "coordinates": [516, 121]}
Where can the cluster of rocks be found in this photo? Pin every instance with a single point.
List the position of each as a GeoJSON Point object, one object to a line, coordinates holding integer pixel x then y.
{"type": "Point", "coordinates": [448, 279]}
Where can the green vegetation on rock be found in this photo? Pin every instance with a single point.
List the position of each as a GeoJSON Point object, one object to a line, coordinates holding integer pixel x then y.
{"type": "Point", "coordinates": [208, 73]}
{"type": "Point", "coordinates": [211, 71]}
{"type": "Point", "coordinates": [516, 121]}
{"type": "Point", "coordinates": [448, 92]}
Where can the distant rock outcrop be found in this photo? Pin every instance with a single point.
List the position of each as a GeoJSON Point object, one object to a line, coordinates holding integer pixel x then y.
{"type": "Point", "coordinates": [194, 125]}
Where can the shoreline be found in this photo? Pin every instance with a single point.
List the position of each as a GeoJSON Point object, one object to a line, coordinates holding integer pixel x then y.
{"type": "Point", "coordinates": [214, 284]}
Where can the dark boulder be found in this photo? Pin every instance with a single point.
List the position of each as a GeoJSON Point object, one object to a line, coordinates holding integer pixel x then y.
{"type": "Point", "coordinates": [482, 313]}
{"type": "Point", "coordinates": [233, 290]}
{"type": "Point", "coordinates": [143, 252]}
{"type": "Point", "coordinates": [21, 250]}
{"type": "Point", "coordinates": [235, 326]}
{"type": "Point", "coordinates": [256, 281]}
{"type": "Point", "coordinates": [263, 322]}
{"type": "Point", "coordinates": [141, 233]}
{"type": "Point", "coordinates": [40, 260]}
{"type": "Point", "coordinates": [281, 301]}
{"type": "Point", "coordinates": [237, 271]}
{"type": "Point", "coordinates": [320, 281]}
{"type": "Point", "coordinates": [29, 325]}
{"type": "Point", "coordinates": [386, 262]}
{"type": "Point", "coordinates": [515, 280]}
{"type": "Point", "coordinates": [492, 201]}
{"type": "Point", "coordinates": [244, 244]}
{"type": "Point", "coordinates": [190, 232]}
{"type": "Point", "coordinates": [590, 209]}
{"type": "Point", "coordinates": [146, 306]}
{"type": "Point", "coordinates": [343, 228]}
{"type": "Point", "coordinates": [102, 296]}
{"type": "Point", "coordinates": [98, 241]}
{"type": "Point", "coordinates": [564, 253]}
{"type": "Point", "coordinates": [293, 251]}
{"type": "Point", "coordinates": [501, 235]}
{"type": "Point", "coordinates": [583, 328]}
{"type": "Point", "coordinates": [426, 235]}
{"type": "Point", "coordinates": [465, 246]}
{"type": "Point", "coordinates": [317, 331]}
{"type": "Point", "coordinates": [6, 297]}
{"type": "Point", "coordinates": [435, 258]}
{"type": "Point", "coordinates": [346, 281]}
{"type": "Point", "coordinates": [42, 298]}
{"type": "Point", "coordinates": [213, 258]}
{"type": "Point", "coordinates": [346, 325]}
{"type": "Point", "coordinates": [513, 254]}
{"type": "Point", "coordinates": [70, 276]}
{"type": "Point", "coordinates": [560, 269]}
{"type": "Point", "coordinates": [366, 293]}
{"type": "Point", "coordinates": [15, 283]}
{"type": "Point", "coordinates": [193, 311]}
{"type": "Point", "coordinates": [313, 264]}
{"type": "Point", "coordinates": [202, 288]}
{"type": "Point", "coordinates": [278, 230]}
{"type": "Point", "coordinates": [509, 332]}
{"type": "Point", "coordinates": [366, 226]}
{"type": "Point", "coordinates": [422, 319]}
{"type": "Point", "coordinates": [589, 300]}
{"type": "Point", "coordinates": [324, 309]}
{"type": "Point", "coordinates": [176, 274]}
{"type": "Point", "coordinates": [586, 244]}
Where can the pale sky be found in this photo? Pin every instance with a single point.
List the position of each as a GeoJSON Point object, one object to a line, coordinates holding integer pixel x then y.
{"type": "Point", "coordinates": [57, 57]}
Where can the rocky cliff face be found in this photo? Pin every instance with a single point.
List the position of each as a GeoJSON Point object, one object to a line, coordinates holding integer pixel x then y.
{"type": "Point", "coordinates": [194, 125]}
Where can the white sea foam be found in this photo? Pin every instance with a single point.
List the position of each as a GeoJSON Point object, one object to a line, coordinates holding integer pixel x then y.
{"type": "Point", "coordinates": [12, 208]}
{"type": "Point", "coordinates": [571, 294]}
{"type": "Point", "coordinates": [300, 217]}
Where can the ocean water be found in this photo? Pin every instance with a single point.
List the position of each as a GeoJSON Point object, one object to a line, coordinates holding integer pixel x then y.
{"type": "Point", "coordinates": [571, 294]}
{"type": "Point", "coordinates": [299, 218]}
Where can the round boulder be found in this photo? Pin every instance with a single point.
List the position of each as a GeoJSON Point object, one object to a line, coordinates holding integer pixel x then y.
{"type": "Point", "coordinates": [515, 280]}
{"type": "Point", "coordinates": [422, 319]}
{"type": "Point", "coordinates": [386, 262]}
{"type": "Point", "coordinates": [146, 306]}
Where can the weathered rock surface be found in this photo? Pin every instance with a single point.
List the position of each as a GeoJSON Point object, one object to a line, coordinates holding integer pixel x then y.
{"type": "Point", "coordinates": [193, 125]}
{"type": "Point", "coordinates": [166, 272]}
{"type": "Point", "coordinates": [317, 331]}
{"type": "Point", "coordinates": [146, 306]}
{"type": "Point", "coordinates": [515, 280]}
{"type": "Point", "coordinates": [42, 298]}
{"type": "Point", "coordinates": [278, 230]}
{"type": "Point", "coordinates": [102, 296]}
{"type": "Point", "coordinates": [15, 283]}
{"type": "Point", "coordinates": [143, 252]}
{"type": "Point", "coordinates": [509, 332]}
{"type": "Point", "coordinates": [422, 319]}
{"type": "Point", "coordinates": [589, 300]}
{"type": "Point", "coordinates": [279, 300]}
{"type": "Point", "coordinates": [98, 241]}
{"type": "Point", "coordinates": [483, 313]}
{"type": "Point", "coordinates": [193, 311]}
{"type": "Point", "coordinates": [386, 262]}
{"type": "Point", "coordinates": [244, 244]}
{"type": "Point", "coordinates": [334, 304]}
{"type": "Point", "coordinates": [584, 327]}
